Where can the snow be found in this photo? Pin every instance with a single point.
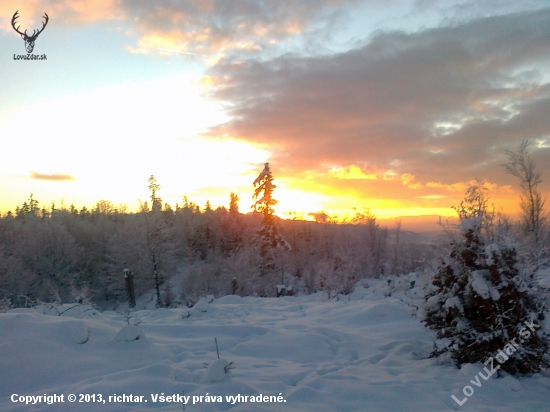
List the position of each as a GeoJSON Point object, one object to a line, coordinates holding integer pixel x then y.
{"type": "Point", "coordinates": [229, 300]}
{"type": "Point", "coordinates": [216, 371]}
{"type": "Point", "coordinates": [482, 286]}
{"type": "Point", "coordinates": [78, 331]}
{"type": "Point", "coordinates": [363, 352]}
{"type": "Point", "coordinates": [128, 333]}
{"type": "Point", "coordinates": [470, 224]}
{"type": "Point", "coordinates": [202, 305]}
{"type": "Point", "coordinates": [495, 294]}
{"type": "Point", "coordinates": [543, 276]}
{"type": "Point", "coordinates": [479, 284]}
{"type": "Point", "coordinates": [454, 302]}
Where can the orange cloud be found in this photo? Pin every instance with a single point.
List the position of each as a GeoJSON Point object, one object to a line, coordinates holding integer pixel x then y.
{"type": "Point", "coordinates": [352, 173]}
{"type": "Point", "coordinates": [463, 186]}
{"type": "Point", "coordinates": [407, 180]}
{"type": "Point", "coordinates": [64, 11]}
{"type": "Point", "coordinates": [378, 104]}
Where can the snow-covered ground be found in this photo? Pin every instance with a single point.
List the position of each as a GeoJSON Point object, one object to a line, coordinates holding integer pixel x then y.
{"type": "Point", "coordinates": [366, 353]}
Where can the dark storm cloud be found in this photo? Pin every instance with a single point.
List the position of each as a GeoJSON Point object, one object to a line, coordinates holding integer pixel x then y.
{"type": "Point", "coordinates": [441, 104]}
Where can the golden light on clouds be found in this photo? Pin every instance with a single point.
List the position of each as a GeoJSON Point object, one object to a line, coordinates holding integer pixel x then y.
{"type": "Point", "coordinates": [408, 179]}
{"type": "Point", "coordinates": [352, 173]}
{"type": "Point", "coordinates": [373, 124]}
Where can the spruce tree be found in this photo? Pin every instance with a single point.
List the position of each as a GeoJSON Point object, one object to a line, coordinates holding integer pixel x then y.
{"type": "Point", "coordinates": [480, 306]}
{"type": "Point", "coordinates": [158, 238]}
{"type": "Point", "coordinates": [233, 203]}
{"type": "Point", "coordinates": [232, 227]}
{"type": "Point", "coordinates": [268, 236]}
{"type": "Point", "coordinates": [154, 187]}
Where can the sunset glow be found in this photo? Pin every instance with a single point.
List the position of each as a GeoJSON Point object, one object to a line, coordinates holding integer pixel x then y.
{"type": "Point", "coordinates": [393, 108]}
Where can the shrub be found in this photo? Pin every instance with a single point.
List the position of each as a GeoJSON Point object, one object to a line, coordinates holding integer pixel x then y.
{"type": "Point", "coordinates": [480, 304]}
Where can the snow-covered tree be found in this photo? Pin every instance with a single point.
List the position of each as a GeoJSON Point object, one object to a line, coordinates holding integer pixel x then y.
{"type": "Point", "coordinates": [269, 237]}
{"type": "Point", "coordinates": [373, 241]}
{"type": "Point", "coordinates": [480, 304]}
{"type": "Point", "coordinates": [158, 245]}
{"type": "Point", "coordinates": [232, 227]}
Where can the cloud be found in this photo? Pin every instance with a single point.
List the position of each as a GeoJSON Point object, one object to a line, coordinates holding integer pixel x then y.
{"type": "Point", "coordinates": [441, 104]}
{"type": "Point", "coordinates": [202, 27]}
{"type": "Point", "coordinates": [60, 11]}
{"type": "Point", "coordinates": [218, 26]}
{"type": "Point", "coordinates": [353, 173]}
{"type": "Point", "coordinates": [41, 176]}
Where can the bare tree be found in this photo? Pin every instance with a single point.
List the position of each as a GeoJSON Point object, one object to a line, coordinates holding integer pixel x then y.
{"type": "Point", "coordinates": [522, 166]}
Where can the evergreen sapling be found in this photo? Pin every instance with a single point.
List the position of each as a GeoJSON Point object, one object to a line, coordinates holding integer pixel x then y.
{"type": "Point", "coordinates": [479, 303]}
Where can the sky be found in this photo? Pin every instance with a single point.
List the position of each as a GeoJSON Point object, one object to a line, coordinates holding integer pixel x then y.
{"type": "Point", "coordinates": [397, 106]}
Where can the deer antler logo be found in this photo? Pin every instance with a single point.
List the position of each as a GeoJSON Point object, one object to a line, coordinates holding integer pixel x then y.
{"type": "Point", "coordinates": [29, 40]}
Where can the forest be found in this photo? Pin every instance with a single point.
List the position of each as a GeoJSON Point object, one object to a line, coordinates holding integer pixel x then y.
{"type": "Point", "coordinates": [50, 254]}
{"type": "Point", "coordinates": [484, 277]}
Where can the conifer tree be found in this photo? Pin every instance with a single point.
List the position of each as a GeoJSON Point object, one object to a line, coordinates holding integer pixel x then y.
{"type": "Point", "coordinates": [158, 238]}
{"type": "Point", "coordinates": [269, 236]}
{"type": "Point", "coordinates": [480, 307]}
{"type": "Point", "coordinates": [233, 203]}
{"type": "Point", "coordinates": [156, 202]}
{"type": "Point", "coordinates": [232, 227]}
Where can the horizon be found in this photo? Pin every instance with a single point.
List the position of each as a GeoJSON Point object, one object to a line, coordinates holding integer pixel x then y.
{"type": "Point", "coordinates": [397, 108]}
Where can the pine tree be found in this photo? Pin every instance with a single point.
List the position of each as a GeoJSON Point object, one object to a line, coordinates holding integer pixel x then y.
{"type": "Point", "coordinates": [268, 236]}
{"type": "Point", "coordinates": [479, 305]}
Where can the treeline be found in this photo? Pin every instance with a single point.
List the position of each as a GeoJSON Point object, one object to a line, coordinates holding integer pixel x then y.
{"type": "Point", "coordinates": [49, 254]}
{"type": "Point", "coordinates": [66, 254]}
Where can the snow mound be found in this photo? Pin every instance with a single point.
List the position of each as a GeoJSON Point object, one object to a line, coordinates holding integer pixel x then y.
{"type": "Point", "coordinates": [78, 332]}
{"type": "Point", "coordinates": [230, 300]}
{"type": "Point", "coordinates": [216, 371]}
{"type": "Point", "coordinates": [162, 313]}
{"type": "Point", "coordinates": [510, 383]}
{"type": "Point", "coordinates": [201, 306]}
{"type": "Point", "coordinates": [129, 333]}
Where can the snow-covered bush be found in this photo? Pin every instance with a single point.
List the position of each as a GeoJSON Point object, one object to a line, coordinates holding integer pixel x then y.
{"type": "Point", "coordinates": [480, 303]}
